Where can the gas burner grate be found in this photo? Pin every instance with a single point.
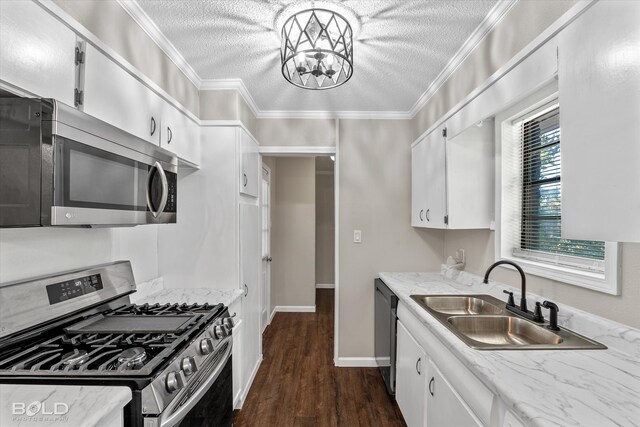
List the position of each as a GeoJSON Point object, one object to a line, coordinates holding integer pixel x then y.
{"type": "Point", "coordinates": [95, 353]}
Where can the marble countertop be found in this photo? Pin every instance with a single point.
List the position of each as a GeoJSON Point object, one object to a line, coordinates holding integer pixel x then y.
{"type": "Point", "coordinates": [154, 292]}
{"type": "Point", "coordinates": [543, 388]}
{"type": "Point", "coordinates": [56, 405]}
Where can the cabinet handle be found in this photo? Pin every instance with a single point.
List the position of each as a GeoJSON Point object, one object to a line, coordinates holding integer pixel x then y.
{"type": "Point", "coordinates": [246, 292]}
{"type": "Point", "coordinates": [431, 385]}
{"type": "Point", "coordinates": [170, 135]}
{"type": "Point", "coordinates": [428, 214]}
{"type": "Point", "coordinates": [421, 211]}
{"type": "Point", "coordinates": [246, 180]}
{"type": "Point", "coordinates": [418, 365]}
{"type": "Point", "coordinates": [153, 126]}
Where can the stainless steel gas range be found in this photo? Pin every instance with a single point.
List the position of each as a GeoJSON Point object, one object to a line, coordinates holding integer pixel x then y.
{"type": "Point", "coordinates": [80, 328]}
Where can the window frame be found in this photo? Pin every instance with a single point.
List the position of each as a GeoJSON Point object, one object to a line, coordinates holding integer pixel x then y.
{"type": "Point", "coordinates": [508, 133]}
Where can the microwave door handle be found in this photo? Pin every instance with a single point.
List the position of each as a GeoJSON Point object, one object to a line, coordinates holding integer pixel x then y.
{"type": "Point", "coordinates": [165, 191]}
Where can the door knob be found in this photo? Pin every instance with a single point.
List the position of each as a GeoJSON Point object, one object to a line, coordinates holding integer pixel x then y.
{"type": "Point", "coordinates": [269, 259]}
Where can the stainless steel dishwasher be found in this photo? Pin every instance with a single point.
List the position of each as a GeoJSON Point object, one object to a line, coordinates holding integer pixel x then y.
{"type": "Point", "coordinates": [386, 305]}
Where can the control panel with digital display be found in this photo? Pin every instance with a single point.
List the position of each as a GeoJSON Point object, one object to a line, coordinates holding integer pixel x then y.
{"type": "Point", "coordinates": [64, 291]}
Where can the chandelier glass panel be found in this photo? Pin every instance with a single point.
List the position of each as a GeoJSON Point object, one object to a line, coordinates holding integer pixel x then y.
{"type": "Point", "coordinates": [317, 49]}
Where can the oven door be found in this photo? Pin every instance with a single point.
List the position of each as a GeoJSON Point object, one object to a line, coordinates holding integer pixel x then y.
{"type": "Point", "coordinates": [113, 186]}
{"type": "Point", "coordinates": [207, 400]}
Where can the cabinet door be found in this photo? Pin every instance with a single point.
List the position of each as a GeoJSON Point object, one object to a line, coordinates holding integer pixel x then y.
{"type": "Point", "coordinates": [599, 110]}
{"type": "Point", "coordinates": [419, 184]}
{"type": "Point", "coordinates": [179, 134]}
{"type": "Point", "coordinates": [249, 267]}
{"type": "Point", "coordinates": [249, 165]}
{"type": "Point", "coordinates": [38, 51]}
{"type": "Point", "coordinates": [116, 97]}
{"type": "Point", "coordinates": [411, 364]}
{"type": "Point", "coordinates": [444, 406]}
{"type": "Point", "coordinates": [436, 194]}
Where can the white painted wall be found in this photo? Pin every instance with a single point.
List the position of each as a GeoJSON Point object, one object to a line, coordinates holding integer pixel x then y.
{"type": "Point", "coordinates": [30, 252]}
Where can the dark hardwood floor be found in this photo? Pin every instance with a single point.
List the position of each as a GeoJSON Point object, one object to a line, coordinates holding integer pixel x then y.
{"type": "Point", "coordinates": [297, 384]}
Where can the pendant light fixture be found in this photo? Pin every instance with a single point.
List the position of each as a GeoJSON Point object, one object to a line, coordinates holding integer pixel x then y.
{"type": "Point", "coordinates": [317, 49]}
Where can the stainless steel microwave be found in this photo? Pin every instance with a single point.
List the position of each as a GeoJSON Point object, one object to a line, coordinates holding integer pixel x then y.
{"type": "Point", "coordinates": [62, 167]}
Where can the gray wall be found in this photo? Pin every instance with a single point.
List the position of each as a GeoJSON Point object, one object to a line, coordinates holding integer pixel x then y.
{"type": "Point", "coordinates": [293, 232]}
{"type": "Point", "coordinates": [375, 197]}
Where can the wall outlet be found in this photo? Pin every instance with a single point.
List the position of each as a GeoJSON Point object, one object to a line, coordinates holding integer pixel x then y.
{"type": "Point", "coordinates": [357, 236]}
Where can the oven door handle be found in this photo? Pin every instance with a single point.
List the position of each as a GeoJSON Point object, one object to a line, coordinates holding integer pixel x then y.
{"type": "Point", "coordinates": [182, 412]}
{"type": "Point", "coordinates": [165, 190]}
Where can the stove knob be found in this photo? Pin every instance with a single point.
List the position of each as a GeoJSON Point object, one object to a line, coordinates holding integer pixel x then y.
{"type": "Point", "coordinates": [206, 346]}
{"type": "Point", "coordinates": [228, 322]}
{"type": "Point", "coordinates": [188, 366]}
{"type": "Point", "coordinates": [173, 382]}
{"type": "Point", "coordinates": [220, 331]}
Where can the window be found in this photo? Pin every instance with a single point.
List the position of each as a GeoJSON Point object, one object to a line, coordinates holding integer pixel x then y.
{"type": "Point", "coordinates": [542, 197]}
{"type": "Point", "coordinates": [529, 200]}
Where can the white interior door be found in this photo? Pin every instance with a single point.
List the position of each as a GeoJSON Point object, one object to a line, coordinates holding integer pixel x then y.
{"type": "Point", "coordinates": [265, 303]}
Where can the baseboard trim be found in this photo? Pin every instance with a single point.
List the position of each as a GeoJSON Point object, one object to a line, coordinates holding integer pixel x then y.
{"type": "Point", "coordinates": [273, 313]}
{"type": "Point", "coordinates": [248, 384]}
{"type": "Point", "coordinates": [356, 362]}
{"type": "Point", "coordinates": [325, 286]}
{"type": "Point", "coordinates": [295, 308]}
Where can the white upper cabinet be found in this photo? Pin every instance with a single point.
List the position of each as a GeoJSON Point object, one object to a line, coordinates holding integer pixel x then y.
{"type": "Point", "coordinates": [428, 182]}
{"type": "Point", "coordinates": [452, 180]}
{"type": "Point", "coordinates": [179, 134]}
{"type": "Point", "coordinates": [418, 184]}
{"type": "Point", "coordinates": [116, 97]}
{"type": "Point", "coordinates": [37, 52]}
{"type": "Point", "coordinates": [599, 84]}
{"type": "Point", "coordinates": [249, 165]}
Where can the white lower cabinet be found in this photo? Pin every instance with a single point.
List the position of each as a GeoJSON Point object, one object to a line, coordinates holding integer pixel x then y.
{"type": "Point", "coordinates": [250, 279]}
{"type": "Point", "coordinates": [433, 388]}
{"type": "Point", "coordinates": [410, 378]}
{"type": "Point", "coordinates": [445, 407]}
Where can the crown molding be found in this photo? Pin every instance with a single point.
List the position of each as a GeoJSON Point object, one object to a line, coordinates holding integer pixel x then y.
{"type": "Point", "coordinates": [148, 26]}
{"type": "Point", "coordinates": [352, 115]}
{"type": "Point", "coordinates": [490, 21]}
{"type": "Point", "coordinates": [146, 23]}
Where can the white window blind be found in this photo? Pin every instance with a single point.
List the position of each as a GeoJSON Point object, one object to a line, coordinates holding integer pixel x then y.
{"type": "Point", "coordinates": [541, 199]}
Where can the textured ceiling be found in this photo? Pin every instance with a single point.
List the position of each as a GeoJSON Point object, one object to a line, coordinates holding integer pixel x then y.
{"type": "Point", "coordinates": [400, 47]}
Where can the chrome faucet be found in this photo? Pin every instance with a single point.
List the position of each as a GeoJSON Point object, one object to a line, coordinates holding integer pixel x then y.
{"type": "Point", "coordinates": [522, 310]}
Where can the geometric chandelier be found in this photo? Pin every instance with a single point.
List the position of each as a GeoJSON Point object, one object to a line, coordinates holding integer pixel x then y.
{"type": "Point", "coordinates": [317, 49]}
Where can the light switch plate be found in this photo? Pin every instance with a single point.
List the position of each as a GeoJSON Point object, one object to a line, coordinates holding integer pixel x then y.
{"type": "Point", "coordinates": [357, 236]}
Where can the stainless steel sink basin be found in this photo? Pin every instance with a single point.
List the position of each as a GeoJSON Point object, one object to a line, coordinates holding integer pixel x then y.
{"type": "Point", "coordinates": [482, 322]}
{"type": "Point", "coordinates": [459, 305]}
{"type": "Point", "coordinates": [503, 330]}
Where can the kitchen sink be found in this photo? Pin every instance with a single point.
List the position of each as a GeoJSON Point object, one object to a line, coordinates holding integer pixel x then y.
{"type": "Point", "coordinates": [483, 323]}
{"type": "Point", "coordinates": [503, 330]}
{"type": "Point", "coordinates": [460, 305]}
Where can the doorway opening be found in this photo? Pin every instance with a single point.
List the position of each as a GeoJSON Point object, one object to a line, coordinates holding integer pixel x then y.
{"type": "Point", "coordinates": [298, 234]}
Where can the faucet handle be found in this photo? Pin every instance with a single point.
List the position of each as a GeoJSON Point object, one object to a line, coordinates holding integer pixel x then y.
{"type": "Point", "coordinates": [537, 313]}
{"type": "Point", "coordinates": [510, 301]}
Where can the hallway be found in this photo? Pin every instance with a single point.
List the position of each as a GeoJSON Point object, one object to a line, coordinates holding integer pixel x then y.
{"type": "Point", "coordinates": [297, 384]}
